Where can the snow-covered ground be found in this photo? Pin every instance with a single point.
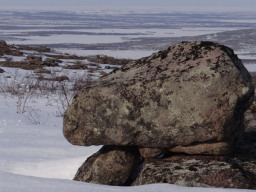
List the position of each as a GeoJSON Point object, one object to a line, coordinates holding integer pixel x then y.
{"type": "Point", "coordinates": [32, 149]}
{"type": "Point", "coordinates": [18, 183]}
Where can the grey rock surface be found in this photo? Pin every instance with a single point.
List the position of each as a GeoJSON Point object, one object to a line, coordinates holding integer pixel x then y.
{"type": "Point", "coordinates": [236, 170]}
{"type": "Point", "coordinates": [197, 171]}
{"type": "Point", "coordinates": [110, 166]}
{"type": "Point", "coordinates": [189, 94]}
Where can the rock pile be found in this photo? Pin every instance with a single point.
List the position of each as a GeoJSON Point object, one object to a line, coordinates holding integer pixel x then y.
{"type": "Point", "coordinates": [173, 117]}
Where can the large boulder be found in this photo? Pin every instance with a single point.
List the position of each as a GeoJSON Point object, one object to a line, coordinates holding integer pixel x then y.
{"type": "Point", "coordinates": [111, 165]}
{"type": "Point", "coordinates": [192, 93]}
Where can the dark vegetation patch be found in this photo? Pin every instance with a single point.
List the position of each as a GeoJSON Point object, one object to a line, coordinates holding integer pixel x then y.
{"type": "Point", "coordinates": [60, 78]}
{"type": "Point", "coordinates": [19, 64]}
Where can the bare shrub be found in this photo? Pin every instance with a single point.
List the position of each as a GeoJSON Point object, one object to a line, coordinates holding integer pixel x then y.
{"type": "Point", "coordinates": [68, 91]}
{"type": "Point", "coordinates": [24, 87]}
{"type": "Point", "coordinates": [79, 82]}
{"type": "Point", "coordinates": [33, 115]}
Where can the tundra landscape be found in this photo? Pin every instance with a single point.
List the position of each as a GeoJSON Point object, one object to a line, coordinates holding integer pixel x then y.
{"type": "Point", "coordinates": [48, 57]}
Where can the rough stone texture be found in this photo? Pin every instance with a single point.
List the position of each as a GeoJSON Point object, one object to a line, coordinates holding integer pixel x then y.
{"type": "Point", "coordinates": [152, 152]}
{"type": "Point", "coordinates": [196, 171]}
{"type": "Point", "coordinates": [190, 94]}
{"type": "Point", "coordinates": [110, 166]}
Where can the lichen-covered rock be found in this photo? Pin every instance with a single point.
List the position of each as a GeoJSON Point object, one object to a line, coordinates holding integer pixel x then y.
{"type": "Point", "coordinates": [196, 171]}
{"type": "Point", "coordinates": [189, 94]}
{"type": "Point", "coordinates": [110, 166]}
{"type": "Point", "coordinates": [237, 170]}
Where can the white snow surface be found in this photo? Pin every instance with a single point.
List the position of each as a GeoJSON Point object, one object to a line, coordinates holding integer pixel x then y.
{"type": "Point", "coordinates": [18, 183]}
{"type": "Point", "coordinates": [126, 54]}
{"type": "Point", "coordinates": [251, 67]}
{"type": "Point", "coordinates": [101, 37]}
{"type": "Point", "coordinates": [37, 150]}
{"type": "Point", "coordinates": [37, 157]}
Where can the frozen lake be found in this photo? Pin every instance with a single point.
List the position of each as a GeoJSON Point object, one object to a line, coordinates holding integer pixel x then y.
{"type": "Point", "coordinates": [125, 34]}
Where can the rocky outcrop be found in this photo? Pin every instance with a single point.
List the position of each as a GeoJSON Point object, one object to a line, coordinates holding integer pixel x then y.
{"type": "Point", "coordinates": [34, 60]}
{"type": "Point", "coordinates": [8, 49]}
{"type": "Point", "coordinates": [181, 110]}
{"type": "Point", "coordinates": [50, 62]}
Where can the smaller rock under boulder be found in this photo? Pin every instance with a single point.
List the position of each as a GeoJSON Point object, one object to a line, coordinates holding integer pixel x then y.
{"type": "Point", "coordinates": [195, 171]}
{"type": "Point", "coordinates": [110, 166]}
{"type": "Point", "coordinates": [237, 170]}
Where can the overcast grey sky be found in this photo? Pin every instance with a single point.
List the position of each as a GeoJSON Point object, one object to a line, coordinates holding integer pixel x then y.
{"type": "Point", "coordinates": [129, 3]}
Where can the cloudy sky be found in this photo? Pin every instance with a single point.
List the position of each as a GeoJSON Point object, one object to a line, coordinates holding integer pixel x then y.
{"type": "Point", "coordinates": [83, 4]}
